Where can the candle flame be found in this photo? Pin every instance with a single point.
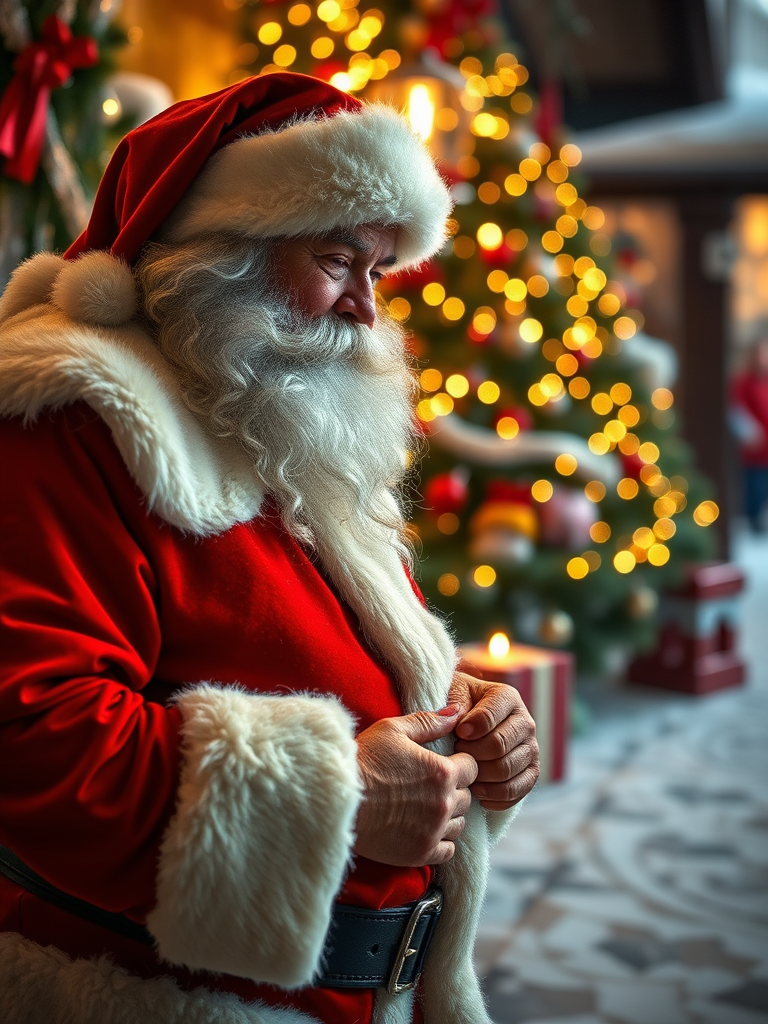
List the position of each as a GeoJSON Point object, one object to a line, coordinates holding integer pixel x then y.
{"type": "Point", "coordinates": [421, 112]}
{"type": "Point", "coordinates": [498, 645]}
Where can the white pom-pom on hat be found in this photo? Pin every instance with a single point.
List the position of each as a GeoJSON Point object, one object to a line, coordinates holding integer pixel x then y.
{"type": "Point", "coordinates": [97, 288]}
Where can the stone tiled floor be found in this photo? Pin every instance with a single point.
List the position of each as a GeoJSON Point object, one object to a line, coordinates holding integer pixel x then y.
{"type": "Point", "coordinates": [637, 891]}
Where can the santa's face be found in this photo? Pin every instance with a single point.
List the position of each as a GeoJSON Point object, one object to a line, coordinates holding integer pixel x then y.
{"type": "Point", "coordinates": [336, 272]}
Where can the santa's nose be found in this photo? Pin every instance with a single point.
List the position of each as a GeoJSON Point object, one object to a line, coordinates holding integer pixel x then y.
{"type": "Point", "coordinates": [358, 303]}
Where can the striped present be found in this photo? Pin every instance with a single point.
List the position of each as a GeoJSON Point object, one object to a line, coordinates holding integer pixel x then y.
{"type": "Point", "coordinates": [544, 679]}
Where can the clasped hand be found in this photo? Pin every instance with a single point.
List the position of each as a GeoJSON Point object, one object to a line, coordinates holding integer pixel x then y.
{"type": "Point", "coordinates": [414, 800]}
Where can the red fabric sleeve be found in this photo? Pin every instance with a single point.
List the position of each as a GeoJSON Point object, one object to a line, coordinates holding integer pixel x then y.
{"type": "Point", "coordinates": [89, 768]}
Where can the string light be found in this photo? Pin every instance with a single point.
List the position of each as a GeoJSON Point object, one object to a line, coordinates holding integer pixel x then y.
{"type": "Point", "coordinates": [488, 392]}
{"type": "Point", "coordinates": [595, 491]}
{"type": "Point", "coordinates": [448, 584]}
{"type": "Point", "coordinates": [662, 398]}
{"type": "Point", "coordinates": [484, 576]}
{"type": "Point", "coordinates": [433, 294]}
{"type": "Point", "coordinates": [566, 464]}
{"type": "Point", "coordinates": [507, 428]}
{"type": "Point", "coordinates": [624, 562]}
{"type": "Point", "coordinates": [577, 568]}
{"type": "Point", "coordinates": [600, 532]}
{"type": "Point", "coordinates": [430, 379]}
{"type": "Point", "coordinates": [457, 385]}
{"type": "Point", "coordinates": [706, 513]}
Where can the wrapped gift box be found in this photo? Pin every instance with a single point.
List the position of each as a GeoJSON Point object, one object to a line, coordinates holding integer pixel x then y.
{"type": "Point", "coordinates": [544, 679]}
{"type": "Point", "coordinates": [698, 632]}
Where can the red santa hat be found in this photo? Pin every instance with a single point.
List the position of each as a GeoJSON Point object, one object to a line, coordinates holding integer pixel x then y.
{"type": "Point", "coordinates": [279, 155]}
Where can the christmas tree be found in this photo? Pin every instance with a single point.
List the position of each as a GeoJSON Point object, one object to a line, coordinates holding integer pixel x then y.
{"type": "Point", "coordinates": [557, 499]}
{"type": "Point", "coordinates": [55, 116]}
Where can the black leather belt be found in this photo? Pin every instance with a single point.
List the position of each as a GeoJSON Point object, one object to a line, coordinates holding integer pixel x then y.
{"type": "Point", "coordinates": [363, 948]}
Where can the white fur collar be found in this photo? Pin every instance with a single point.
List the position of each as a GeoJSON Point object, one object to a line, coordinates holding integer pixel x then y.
{"type": "Point", "coordinates": [48, 359]}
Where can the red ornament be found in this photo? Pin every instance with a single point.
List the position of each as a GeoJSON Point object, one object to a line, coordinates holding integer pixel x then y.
{"type": "Point", "coordinates": [447, 492]}
{"type": "Point", "coordinates": [42, 65]}
{"type": "Point", "coordinates": [500, 257]}
{"type": "Point", "coordinates": [417, 278]}
{"type": "Point", "coordinates": [509, 491]}
{"type": "Point", "coordinates": [632, 465]}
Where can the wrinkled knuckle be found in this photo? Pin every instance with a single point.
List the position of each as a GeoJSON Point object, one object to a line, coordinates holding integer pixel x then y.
{"type": "Point", "coordinates": [443, 773]}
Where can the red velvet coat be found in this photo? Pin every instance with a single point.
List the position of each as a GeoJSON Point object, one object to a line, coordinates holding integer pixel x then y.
{"type": "Point", "coordinates": [180, 686]}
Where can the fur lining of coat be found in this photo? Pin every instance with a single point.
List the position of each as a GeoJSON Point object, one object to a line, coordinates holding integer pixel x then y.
{"type": "Point", "coordinates": [56, 349]}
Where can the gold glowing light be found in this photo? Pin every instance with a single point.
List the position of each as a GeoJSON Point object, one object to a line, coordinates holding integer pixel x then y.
{"type": "Point", "coordinates": [664, 529]}
{"type": "Point", "coordinates": [433, 294]}
{"type": "Point", "coordinates": [111, 107]}
{"type": "Point", "coordinates": [600, 532]}
{"type": "Point", "coordinates": [624, 562]}
{"type": "Point", "coordinates": [566, 465]}
{"type": "Point", "coordinates": [328, 10]}
{"type": "Point", "coordinates": [488, 392]}
{"type": "Point", "coordinates": [599, 443]}
{"type": "Point", "coordinates": [624, 327]}
{"type": "Point", "coordinates": [484, 576]}
{"type": "Point", "coordinates": [424, 410]}
{"type": "Point", "coordinates": [498, 645]}
{"type": "Point", "coordinates": [420, 111]}
{"type": "Point", "coordinates": [497, 280]}
{"type": "Point", "coordinates": [490, 235]}
{"type": "Point", "coordinates": [284, 56]}
{"type": "Point", "coordinates": [448, 523]}
{"type": "Point", "coordinates": [627, 488]}
{"type": "Point", "coordinates": [552, 241]}
{"type": "Point", "coordinates": [536, 396]}
{"type": "Point", "coordinates": [542, 490]}
{"type": "Point", "coordinates": [484, 320]}
{"type": "Point", "coordinates": [629, 444]}
{"type": "Point", "coordinates": [515, 289]}
{"type": "Point", "coordinates": [453, 309]}
{"type": "Point", "coordinates": [602, 403]}
{"type": "Point", "coordinates": [595, 490]}
{"type": "Point", "coordinates": [649, 452]}
{"type": "Point", "coordinates": [577, 568]}
{"type": "Point", "coordinates": [515, 184]}
{"type": "Point", "coordinates": [552, 385]}
{"type": "Point", "coordinates": [658, 554]}
{"type": "Point", "coordinates": [448, 584]}
{"type": "Point", "coordinates": [609, 305]}
{"type": "Point", "coordinates": [567, 364]}
{"type": "Point", "coordinates": [270, 32]}
{"type": "Point", "coordinates": [538, 285]}
{"type": "Point", "coordinates": [322, 47]}
{"type": "Point", "coordinates": [457, 385]}
{"type": "Point", "coordinates": [614, 430]}
{"type": "Point", "coordinates": [442, 404]}
{"type": "Point", "coordinates": [400, 309]}
{"type": "Point", "coordinates": [706, 513]}
{"type": "Point", "coordinates": [579, 387]}
{"type": "Point", "coordinates": [570, 155]}
{"type": "Point", "coordinates": [299, 14]}
{"type": "Point", "coordinates": [507, 428]}
{"type": "Point", "coordinates": [662, 398]}
{"type": "Point", "coordinates": [430, 379]}
{"type": "Point", "coordinates": [530, 330]}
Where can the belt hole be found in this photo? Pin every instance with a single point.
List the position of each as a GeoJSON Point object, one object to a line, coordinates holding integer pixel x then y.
{"type": "Point", "coordinates": [374, 949]}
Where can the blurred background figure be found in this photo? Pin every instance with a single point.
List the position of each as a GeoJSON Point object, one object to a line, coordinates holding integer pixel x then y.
{"type": "Point", "coordinates": [749, 418]}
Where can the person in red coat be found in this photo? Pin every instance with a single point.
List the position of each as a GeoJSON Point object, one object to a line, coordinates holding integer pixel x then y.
{"type": "Point", "coordinates": [749, 405]}
{"type": "Point", "coordinates": [243, 780]}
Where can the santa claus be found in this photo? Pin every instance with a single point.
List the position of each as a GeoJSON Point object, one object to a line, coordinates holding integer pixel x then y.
{"type": "Point", "coordinates": [243, 780]}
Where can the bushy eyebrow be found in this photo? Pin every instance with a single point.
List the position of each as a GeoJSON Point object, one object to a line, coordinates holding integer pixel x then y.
{"type": "Point", "coordinates": [349, 238]}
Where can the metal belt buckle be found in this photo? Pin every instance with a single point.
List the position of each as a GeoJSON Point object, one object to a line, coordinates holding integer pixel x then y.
{"type": "Point", "coordinates": [430, 902]}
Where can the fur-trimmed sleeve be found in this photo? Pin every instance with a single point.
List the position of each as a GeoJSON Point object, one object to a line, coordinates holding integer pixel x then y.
{"type": "Point", "coordinates": [262, 834]}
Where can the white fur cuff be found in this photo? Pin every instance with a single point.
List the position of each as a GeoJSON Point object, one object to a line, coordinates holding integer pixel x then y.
{"type": "Point", "coordinates": [262, 834]}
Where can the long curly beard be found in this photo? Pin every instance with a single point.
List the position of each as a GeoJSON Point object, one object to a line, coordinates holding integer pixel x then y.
{"type": "Point", "coordinates": [323, 407]}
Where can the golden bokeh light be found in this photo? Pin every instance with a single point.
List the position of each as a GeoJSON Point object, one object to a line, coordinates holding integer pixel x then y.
{"type": "Point", "coordinates": [649, 452]}
{"type": "Point", "coordinates": [662, 398]}
{"type": "Point", "coordinates": [567, 364]}
{"type": "Point", "coordinates": [453, 308]}
{"type": "Point", "coordinates": [448, 523]}
{"type": "Point", "coordinates": [442, 404]}
{"type": "Point", "coordinates": [593, 560]}
{"type": "Point", "coordinates": [566, 194]}
{"type": "Point", "coordinates": [609, 305]}
{"type": "Point", "coordinates": [536, 396]}
{"type": "Point", "coordinates": [457, 385]}
{"type": "Point", "coordinates": [322, 47]}
{"type": "Point", "coordinates": [593, 217]}
{"type": "Point", "coordinates": [484, 320]}
{"type": "Point", "coordinates": [538, 285]}
{"type": "Point", "coordinates": [621, 393]}
{"type": "Point", "coordinates": [664, 528]}
{"type": "Point", "coordinates": [599, 443]}
{"type": "Point", "coordinates": [464, 247]}
{"type": "Point", "coordinates": [516, 289]}
{"type": "Point", "coordinates": [600, 532]}
{"type": "Point", "coordinates": [552, 241]}
{"type": "Point", "coordinates": [497, 280]}
{"type": "Point", "coordinates": [577, 568]}
{"type": "Point", "coordinates": [488, 392]}
{"type": "Point", "coordinates": [448, 584]}
{"type": "Point", "coordinates": [566, 464]}
{"type": "Point", "coordinates": [627, 488]}
{"type": "Point", "coordinates": [579, 387]}
{"type": "Point", "coordinates": [570, 154]}
{"type": "Point", "coordinates": [658, 554]}
{"type": "Point", "coordinates": [629, 415]}
{"type": "Point", "coordinates": [430, 379]}
{"type": "Point", "coordinates": [614, 430]}
{"type": "Point", "coordinates": [530, 169]}
{"type": "Point", "coordinates": [269, 33]}
{"type": "Point", "coordinates": [624, 327]}
{"type": "Point", "coordinates": [515, 184]}
{"type": "Point", "coordinates": [424, 410]}
{"type": "Point", "coordinates": [665, 507]}
{"type": "Point", "coordinates": [507, 428]}
{"type": "Point", "coordinates": [602, 403]}
{"type": "Point", "coordinates": [706, 513]}
{"type": "Point", "coordinates": [400, 309]}
{"type": "Point", "coordinates": [624, 562]}
{"type": "Point", "coordinates": [530, 330]}
{"type": "Point", "coordinates": [557, 171]}
{"type": "Point", "coordinates": [542, 490]}
{"type": "Point", "coordinates": [490, 235]}
{"type": "Point", "coordinates": [299, 14]}
{"type": "Point", "coordinates": [595, 490]}
{"type": "Point", "coordinates": [484, 576]}
{"type": "Point", "coordinates": [551, 384]}
{"type": "Point", "coordinates": [629, 444]}
{"type": "Point", "coordinates": [433, 294]}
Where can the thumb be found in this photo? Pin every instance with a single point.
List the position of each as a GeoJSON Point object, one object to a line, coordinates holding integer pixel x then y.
{"type": "Point", "coordinates": [424, 726]}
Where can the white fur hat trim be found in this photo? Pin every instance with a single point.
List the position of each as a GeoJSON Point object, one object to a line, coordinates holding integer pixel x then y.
{"type": "Point", "coordinates": [97, 288]}
{"type": "Point", "coordinates": [315, 175]}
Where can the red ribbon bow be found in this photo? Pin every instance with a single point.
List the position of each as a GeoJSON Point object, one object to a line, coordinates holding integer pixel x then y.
{"type": "Point", "coordinates": [42, 65]}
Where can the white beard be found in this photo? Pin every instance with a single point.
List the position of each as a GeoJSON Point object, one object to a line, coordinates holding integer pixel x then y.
{"type": "Point", "coordinates": [324, 408]}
